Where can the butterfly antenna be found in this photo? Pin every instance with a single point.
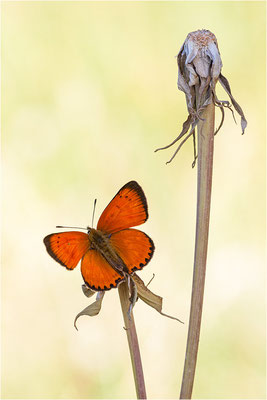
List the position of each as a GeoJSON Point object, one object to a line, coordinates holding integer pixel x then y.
{"type": "Point", "coordinates": [70, 227]}
{"type": "Point", "coordinates": [93, 212]}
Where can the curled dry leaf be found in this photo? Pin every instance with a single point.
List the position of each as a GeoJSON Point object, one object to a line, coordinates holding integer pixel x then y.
{"type": "Point", "coordinates": [225, 84]}
{"type": "Point", "coordinates": [149, 297]}
{"type": "Point", "coordinates": [93, 309]}
{"type": "Point", "coordinates": [87, 291]}
{"type": "Point", "coordinates": [199, 69]}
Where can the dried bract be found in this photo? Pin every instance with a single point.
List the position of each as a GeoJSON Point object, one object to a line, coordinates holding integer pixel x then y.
{"type": "Point", "coordinates": [199, 69]}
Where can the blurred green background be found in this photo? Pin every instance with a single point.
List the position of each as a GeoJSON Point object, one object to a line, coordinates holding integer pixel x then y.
{"type": "Point", "coordinates": [88, 92]}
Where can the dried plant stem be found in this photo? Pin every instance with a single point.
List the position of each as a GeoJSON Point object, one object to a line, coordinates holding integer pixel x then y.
{"type": "Point", "coordinates": [133, 342]}
{"type": "Point", "coordinates": [205, 130]}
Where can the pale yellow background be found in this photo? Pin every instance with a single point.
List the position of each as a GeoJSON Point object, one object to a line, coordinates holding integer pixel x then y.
{"type": "Point", "coordinates": [88, 92]}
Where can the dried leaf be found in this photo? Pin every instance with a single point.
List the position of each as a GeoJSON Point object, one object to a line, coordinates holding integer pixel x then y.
{"type": "Point", "coordinates": [149, 297]}
{"type": "Point", "coordinates": [225, 84]}
{"type": "Point", "coordinates": [87, 291]}
{"type": "Point", "coordinates": [221, 123]}
{"type": "Point", "coordinates": [186, 126]}
{"type": "Point", "coordinates": [93, 309]}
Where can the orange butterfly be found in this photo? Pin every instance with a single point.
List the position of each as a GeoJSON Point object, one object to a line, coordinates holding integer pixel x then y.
{"type": "Point", "coordinates": [112, 251]}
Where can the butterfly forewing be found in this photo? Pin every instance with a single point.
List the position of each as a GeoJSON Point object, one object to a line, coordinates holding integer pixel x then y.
{"type": "Point", "coordinates": [97, 272]}
{"type": "Point", "coordinates": [67, 248]}
{"type": "Point", "coordinates": [128, 208]}
{"type": "Point", "coordinates": [134, 247]}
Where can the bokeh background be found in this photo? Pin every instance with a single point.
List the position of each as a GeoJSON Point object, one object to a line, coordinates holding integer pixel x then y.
{"type": "Point", "coordinates": [88, 92]}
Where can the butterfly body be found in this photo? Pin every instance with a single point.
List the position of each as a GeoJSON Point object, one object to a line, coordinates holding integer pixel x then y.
{"type": "Point", "coordinates": [100, 241]}
{"type": "Point", "coordinates": [112, 251]}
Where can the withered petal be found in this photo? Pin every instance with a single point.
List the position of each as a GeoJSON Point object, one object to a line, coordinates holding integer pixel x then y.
{"type": "Point", "coordinates": [191, 50]}
{"type": "Point", "coordinates": [214, 54]}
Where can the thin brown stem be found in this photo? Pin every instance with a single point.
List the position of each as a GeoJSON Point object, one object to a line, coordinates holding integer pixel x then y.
{"type": "Point", "coordinates": [132, 341]}
{"type": "Point", "coordinates": [205, 130]}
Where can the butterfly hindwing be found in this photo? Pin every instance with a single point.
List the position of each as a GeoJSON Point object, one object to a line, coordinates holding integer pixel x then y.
{"type": "Point", "coordinates": [97, 272]}
{"type": "Point", "coordinates": [128, 208]}
{"type": "Point", "coordinates": [67, 248]}
{"type": "Point", "coordinates": [134, 247]}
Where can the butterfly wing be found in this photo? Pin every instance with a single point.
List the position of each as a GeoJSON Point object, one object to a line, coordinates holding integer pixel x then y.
{"type": "Point", "coordinates": [67, 248]}
{"type": "Point", "coordinates": [128, 208]}
{"type": "Point", "coordinates": [134, 247]}
{"type": "Point", "coordinates": [97, 272]}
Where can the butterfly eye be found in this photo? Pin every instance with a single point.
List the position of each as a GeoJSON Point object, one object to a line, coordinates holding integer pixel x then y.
{"type": "Point", "coordinates": [88, 229]}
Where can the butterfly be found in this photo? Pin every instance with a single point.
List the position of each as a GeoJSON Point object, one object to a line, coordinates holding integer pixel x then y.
{"type": "Point", "coordinates": [112, 251]}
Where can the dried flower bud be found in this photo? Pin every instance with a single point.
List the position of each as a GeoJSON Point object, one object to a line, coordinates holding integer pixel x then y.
{"type": "Point", "coordinates": [199, 69]}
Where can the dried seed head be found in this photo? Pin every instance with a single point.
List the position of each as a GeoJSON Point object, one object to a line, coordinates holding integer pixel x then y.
{"type": "Point", "coordinates": [207, 60]}
{"type": "Point", "coordinates": [199, 69]}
